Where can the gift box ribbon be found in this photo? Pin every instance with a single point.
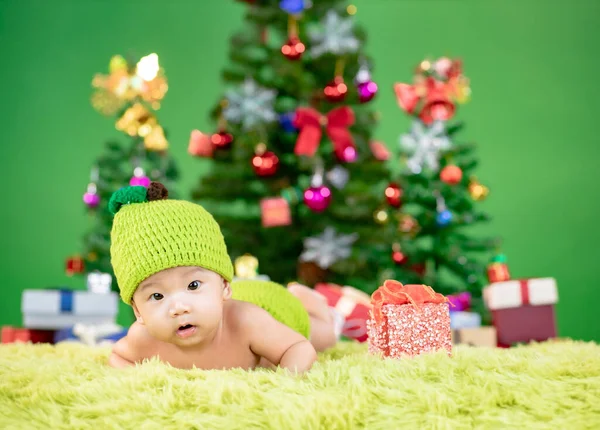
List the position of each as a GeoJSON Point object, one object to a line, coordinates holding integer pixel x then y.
{"type": "Point", "coordinates": [523, 283]}
{"type": "Point", "coordinates": [66, 301]}
{"type": "Point", "coordinates": [351, 298]}
{"type": "Point", "coordinates": [394, 293]}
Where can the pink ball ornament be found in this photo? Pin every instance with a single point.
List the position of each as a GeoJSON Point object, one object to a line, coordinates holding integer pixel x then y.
{"type": "Point", "coordinates": [90, 198]}
{"type": "Point", "coordinates": [139, 178]}
{"type": "Point", "coordinates": [317, 198]}
{"type": "Point", "coordinates": [348, 155]}
{"type": "Point", "coordinates": [144, 181]}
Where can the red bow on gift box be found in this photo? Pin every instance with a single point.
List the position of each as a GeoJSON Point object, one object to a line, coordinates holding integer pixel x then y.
{"type": "Point", "coordinates": [336, 123]}
{"type": "Point", "coordinates": [394, 293]}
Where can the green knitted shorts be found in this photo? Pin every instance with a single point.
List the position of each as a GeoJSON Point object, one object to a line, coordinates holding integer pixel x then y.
{"type": "Point", "coordinates": [275, 299]}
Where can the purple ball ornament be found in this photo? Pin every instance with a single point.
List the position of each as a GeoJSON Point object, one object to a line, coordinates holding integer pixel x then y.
{"type": "Point", "coordinates": [460, 302]}
{"type": "Point", "coordinates": [317, 198]}
{"type": "Point", "coordinates": [367, 89]}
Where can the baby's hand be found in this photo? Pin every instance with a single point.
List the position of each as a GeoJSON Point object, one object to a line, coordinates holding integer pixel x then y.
{"type": "Point", "coordinates": [277, 342]}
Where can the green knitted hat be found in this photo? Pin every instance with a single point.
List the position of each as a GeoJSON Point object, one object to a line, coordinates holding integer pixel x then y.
{"type": "Point", "coordinates": [151, 233]}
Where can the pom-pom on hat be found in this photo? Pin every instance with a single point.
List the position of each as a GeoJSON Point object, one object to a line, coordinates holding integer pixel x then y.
{"type": "Point", "coordinates": [151, 233]}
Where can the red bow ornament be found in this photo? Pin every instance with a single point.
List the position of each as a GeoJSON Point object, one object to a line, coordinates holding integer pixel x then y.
{"type": "Point", "coordinates": [336, 123]}
{"type": "Point", "coordinates": [200, 144]}
{"type": "Point", "coordinates": [407, 97]}
{"type": "Point", "coordinates": [428, 98]}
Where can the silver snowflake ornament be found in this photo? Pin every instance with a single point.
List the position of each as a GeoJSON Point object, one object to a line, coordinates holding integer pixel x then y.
{"type": "Point", "coordinates": [338, 177]}
{"type": "Point", "coordinates": [335, 36]}
{"type": "Point", "coordinates": [328, 248]}
{"type": "Point", "coordinates": [250, 105]}
{"type": "Point", "coordinates": [425, 145]}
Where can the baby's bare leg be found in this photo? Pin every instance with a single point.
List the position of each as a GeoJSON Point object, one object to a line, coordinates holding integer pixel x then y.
{"type": "Point", "coordinates": [322, 320]}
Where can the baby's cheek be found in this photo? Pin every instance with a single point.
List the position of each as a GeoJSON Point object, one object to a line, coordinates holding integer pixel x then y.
{"type": "Point", "coordinates": [161, 333]}
{"type": "Point", "coordinates": [211, 313]}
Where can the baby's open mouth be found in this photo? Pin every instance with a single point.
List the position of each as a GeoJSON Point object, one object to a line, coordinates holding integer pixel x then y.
{"type": "Point", "coordinates": [186, 330]}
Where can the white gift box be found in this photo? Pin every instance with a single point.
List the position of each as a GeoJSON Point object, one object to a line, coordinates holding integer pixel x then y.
{"type": "Point", "coordinates": [56, 309]}
{"type": "Point", "coordinates": [516, 293]}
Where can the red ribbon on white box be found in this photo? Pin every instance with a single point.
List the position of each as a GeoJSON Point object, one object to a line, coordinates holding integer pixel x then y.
{"type": "Point", "coordinates": [350, 298]}
{"type": "Point", "coordinates": [515, 293]}
{"type": "Point", "coordinates": [524, 291]}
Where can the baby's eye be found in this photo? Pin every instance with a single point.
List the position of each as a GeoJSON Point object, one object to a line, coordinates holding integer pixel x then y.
{"type": "Point", "coordinates": [156, 296]}
{"type": "Point", "coordinates": [194, 285]}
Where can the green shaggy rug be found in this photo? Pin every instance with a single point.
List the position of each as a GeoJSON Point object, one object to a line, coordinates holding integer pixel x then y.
{"type": "Point", "coordinates": [551, 386]}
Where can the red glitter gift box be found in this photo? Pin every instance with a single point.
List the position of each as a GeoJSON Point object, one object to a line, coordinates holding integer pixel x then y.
{"type": "Point", "coordinates": [408, 320]}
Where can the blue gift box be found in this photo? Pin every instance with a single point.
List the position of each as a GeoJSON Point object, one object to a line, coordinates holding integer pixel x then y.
{"type": "Point", "coordinates": [461, 319]}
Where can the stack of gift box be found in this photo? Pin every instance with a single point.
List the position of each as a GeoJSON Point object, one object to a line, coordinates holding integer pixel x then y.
{"type": "Point", "coordinates": [410, 320]}
{"type": "Point", "coordinates": [59, 314]}
{"type": "Point", "coordinates": [522, 309]}
{"type": "Point", "coordinates": [466, 324]}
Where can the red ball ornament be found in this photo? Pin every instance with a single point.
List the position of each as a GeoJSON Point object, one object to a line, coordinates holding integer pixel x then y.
{"type": "Point", "coordinates": [336, 90]}
{"type": "Point", "coordinates": [399, 257]}
{"type": "Point", "coordinates": [265, 164]}
{"type": "Point", "coordinates": [393, 194]}
{"type": "Point", "coordinates": [293, 49]}
{"type": "Point", "coordinates": [418, 268]}
{"type": "Point", "coordinates": [74, 265]}
{"type": "Point", "coordinates": [221, 140]}
{"type": "Point", "coordinates": [317, 198]}
{"type": "Point", "coordinates": [451, 175]}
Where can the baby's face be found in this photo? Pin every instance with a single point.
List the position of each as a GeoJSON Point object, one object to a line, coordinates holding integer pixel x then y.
{"type": "Point", "coordinates": [181, 305]}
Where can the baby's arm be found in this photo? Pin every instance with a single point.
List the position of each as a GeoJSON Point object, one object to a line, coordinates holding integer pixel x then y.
{"type": "Point", "coordinates": [127, 350]}
{"type": "Point", "coordinates": [277, 342]}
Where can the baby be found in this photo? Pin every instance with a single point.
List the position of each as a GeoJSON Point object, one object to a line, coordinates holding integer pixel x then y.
{"type": "Point", "coordinates": [171, 264]}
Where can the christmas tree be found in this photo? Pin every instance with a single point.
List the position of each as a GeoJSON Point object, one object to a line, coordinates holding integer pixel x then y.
{"type": "Point", "coordinates": [436, 189]}
{"type": "Point", "coordinates": [131, 94]}
{"type": "Point", "coordinates": [296, 177]}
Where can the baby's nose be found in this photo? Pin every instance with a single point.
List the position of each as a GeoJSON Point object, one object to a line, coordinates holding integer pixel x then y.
{"type": "Point", "coordinates": [179, 308]}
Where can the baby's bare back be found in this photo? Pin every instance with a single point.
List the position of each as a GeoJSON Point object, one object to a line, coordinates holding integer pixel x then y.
{"type": "Point", "coordinates": [229, 349]}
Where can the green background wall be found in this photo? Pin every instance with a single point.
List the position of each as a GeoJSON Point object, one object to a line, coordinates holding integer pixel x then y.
{"type": "Point", "coordinates": [533, 65]}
